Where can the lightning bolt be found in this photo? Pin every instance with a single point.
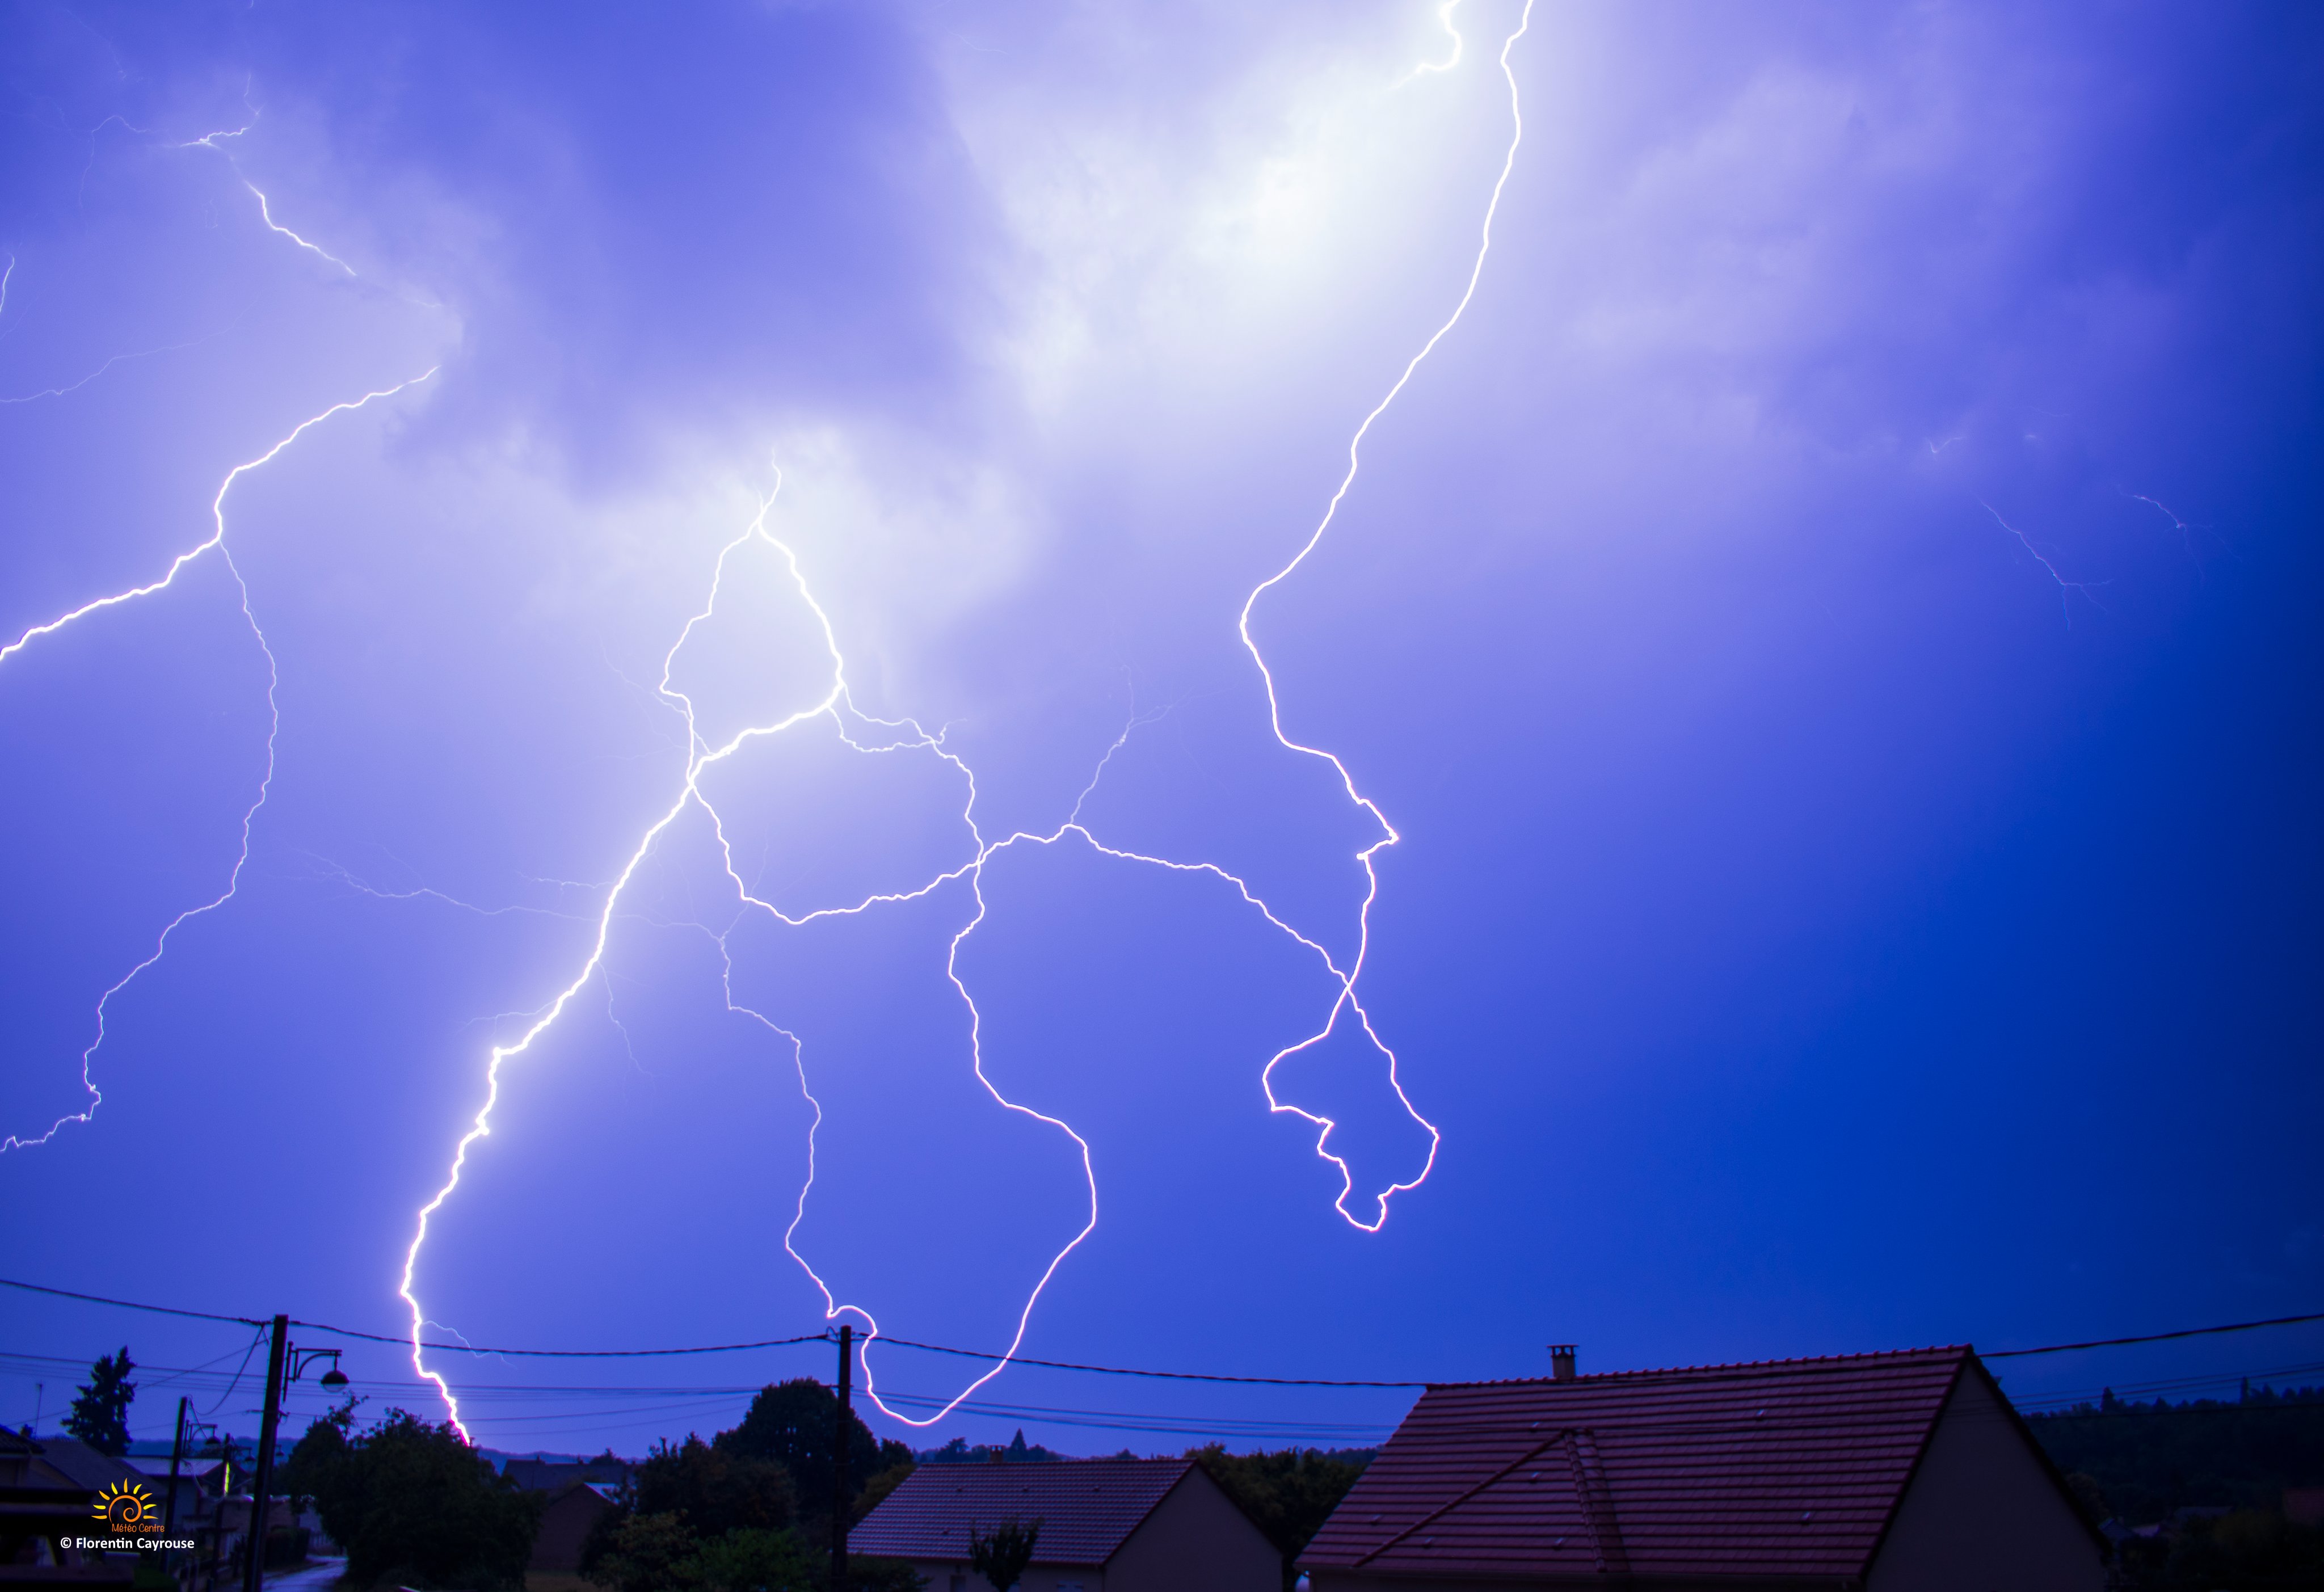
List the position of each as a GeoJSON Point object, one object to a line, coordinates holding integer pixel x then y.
{"type": "Point", "coordinates": [108, 364]}
{"type": "Point", "coordinates": [266, 213]}
{"type": "Point", "coordinates": [1452, 58]}
{"type": "Point", "coordinates": [214, 543]}
{"type": "Point", "coordinates": [837, 704]}
{"type": "Point", "coordinates": [1349, 1001]}
{"type": "Point", "coordinates": [2066, 588]}
{"type": "Point", "coordinates": [216, 141]}
{"type": "Point", "coordinates": [2186, 530]}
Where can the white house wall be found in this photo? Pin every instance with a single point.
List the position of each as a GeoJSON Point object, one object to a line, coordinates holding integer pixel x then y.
{"type": "Point", "coordinates": [1982, 1514]}
{"type": "Point", "coordinates": [1196, 1538]}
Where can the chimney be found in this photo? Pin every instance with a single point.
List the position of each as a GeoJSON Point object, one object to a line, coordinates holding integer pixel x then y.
{"type": "Point", "coordinates": [1560, 1362]}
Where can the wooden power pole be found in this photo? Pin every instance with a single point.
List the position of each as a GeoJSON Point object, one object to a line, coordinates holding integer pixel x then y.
{"type": "Point", "coordinates": [262, 1479]}
{"type": "Point", "coordinates": [177, 1455]}
{"type": "Point", "coordinates": [845, 1418]}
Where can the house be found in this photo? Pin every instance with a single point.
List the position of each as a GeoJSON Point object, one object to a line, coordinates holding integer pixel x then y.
{"type": "Point", "coordinates": [550, 1475]}
{"type": "Point", "coordinates": [281, 1543]}
{"type": "Point", "coordinates": [1107, 1525]}
{"type": "Point", "coordinates": [1904, 1472]}
{"type": "Point", "coordinates": [200, 1481]}
{"type": "Point", "coordinates": [49, 1488]}
{"type": "Point", "coordinates": [565, 1522]}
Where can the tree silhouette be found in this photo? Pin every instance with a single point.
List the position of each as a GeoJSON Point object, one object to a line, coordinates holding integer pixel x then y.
{"type": "Point", "coordinates": [1001, 1558]}
{"type": "Point", "coordinates": [100, 1415]}
{"type": "Point", "coordinates": [791, 1424]}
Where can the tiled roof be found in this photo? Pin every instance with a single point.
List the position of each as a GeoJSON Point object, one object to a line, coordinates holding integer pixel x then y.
{"type": "Point", "coordinates": [1087, 1507]}
{"type": "Point", "coordinates": [189, 1465]}
{"type": "Point", "coordinates": [1787, 1468]}
{"type": "Point", "coordinates": [81, 1465]}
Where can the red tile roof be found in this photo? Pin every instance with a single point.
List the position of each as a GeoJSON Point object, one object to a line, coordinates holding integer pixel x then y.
{"type": "Point", "coordinates": [1787, 1468]}
{"type": "Point", "coordinates": [1087, 1507]}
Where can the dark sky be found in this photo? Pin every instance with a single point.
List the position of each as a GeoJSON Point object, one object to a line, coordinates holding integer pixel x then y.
{"type": "Point", "coordinates": [1831, 624]}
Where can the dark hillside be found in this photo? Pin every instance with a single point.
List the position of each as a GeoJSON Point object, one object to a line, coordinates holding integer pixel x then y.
{"type": "Point", "coordinates": [2150, 1460]}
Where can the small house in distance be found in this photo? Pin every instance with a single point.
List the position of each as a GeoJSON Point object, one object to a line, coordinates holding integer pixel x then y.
{"type": "Point", "coordinates": [1904, 1472]}
{"type": "Point", "coordinates": [567, 1517]}
{"type": "Point", "coordinates": [1107, 1525]}
{"type": "Point", "coordinates": [49, 1487]}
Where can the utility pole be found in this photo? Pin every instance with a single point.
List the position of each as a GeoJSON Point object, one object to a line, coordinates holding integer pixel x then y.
{"type": "Point", "coordinates": [253, 1554]}
{"type": "Point", "coordinates": [838, 1461]}
{"type": "Point", "coordinates": [177, 1452]}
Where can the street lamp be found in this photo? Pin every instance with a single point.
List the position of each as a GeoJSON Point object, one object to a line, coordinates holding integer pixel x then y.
{"type": "Point", "coordinates": [284, 1365]}
{"type": "Point", "coordinates": [300, 1358]}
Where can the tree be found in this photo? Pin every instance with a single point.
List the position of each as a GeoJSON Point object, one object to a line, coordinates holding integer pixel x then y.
{"type": "Point", "coordinates": [660, 1554]}
{"type": "Point", "coordinates": [314, 1460]}
{"type": "Point", "coordinates": [638, 1552]}
{"type": "Point", "coordinates": [414, 1503]}
{"type": "Point", "coordinates": [1287, 1496]}
{"type": "Point", "coordinates": [683, 1499]}
{"type": "Point", "coordinates": [1001, 1558]}
{"type": "Point", "coordinates": [756, 1560]}
{"type": "Point", "coordinates": [877, 1487]}
{"type": "Point", "coordinates": [2148, 1459]}
{"type": "Point", "coordinates": [100, 1414]}
{"type": "Point", "coordinates": [791, 1424]}
{"type": "Point", "coordinates": [717, 1491]}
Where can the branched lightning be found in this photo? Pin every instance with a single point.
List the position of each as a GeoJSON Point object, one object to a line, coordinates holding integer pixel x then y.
{"type": "Point", "coordinates": [2066, 588]}
{"type": "Point", "coordinates": [700, 757]}
{"type": "Point", "coordinates": [2185, 529]}
{"type": "Point", "coordinates": [1444, 20]}
{"type": "Point", "coordinates": [1348, 1000]}
{"type": "Point", "coordinates": [214, 542]}
{"type": "Point", "coordinates": [266, 213]}
{"type": "Point", "coordinates": [836, 704]}
{"type": "Point", "coordinates": [108, 364]}
{"type": "Point", "coordinates": [216, 141]}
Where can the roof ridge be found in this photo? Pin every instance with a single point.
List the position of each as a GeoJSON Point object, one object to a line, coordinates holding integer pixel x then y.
{"type": "Point", "coordinates": [1931, 1350]}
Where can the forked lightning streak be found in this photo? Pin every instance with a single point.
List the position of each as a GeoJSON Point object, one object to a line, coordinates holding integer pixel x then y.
{"type": "Point", "coordinates": [837, 704]}
{"type": "Point", "coordinates": [214, 543]}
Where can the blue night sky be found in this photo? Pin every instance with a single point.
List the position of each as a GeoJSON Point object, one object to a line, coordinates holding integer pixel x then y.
{"type": "Point", "coordinates": [750, 626]}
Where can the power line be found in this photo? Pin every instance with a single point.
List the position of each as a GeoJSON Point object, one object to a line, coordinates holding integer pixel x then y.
{"type": "Point", "coordinates": [566, 1354]}
{"type": "Point", "coordinates": [580, 1354]}
{"type": "Point", "coordinates": [1996, 1354]}
{"type": "Point", "coordinates": [158, 1310]}
{"type": "Point", "coordinates": [703, 1348]}
{"type": "Point", "coordinates": [1019, 1360]}
{"type": "Point", "coordinates": [2004, 1353]}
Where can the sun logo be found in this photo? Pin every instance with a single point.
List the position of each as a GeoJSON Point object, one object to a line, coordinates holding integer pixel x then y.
{"type": "Point", "coordinates": [126, 1508]}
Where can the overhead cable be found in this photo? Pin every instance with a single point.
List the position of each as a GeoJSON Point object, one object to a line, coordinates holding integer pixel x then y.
{"type": "Point", "coordinates": [978, 1354]}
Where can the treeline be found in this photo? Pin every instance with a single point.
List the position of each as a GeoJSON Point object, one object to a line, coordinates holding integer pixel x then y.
{"type": "Point", "coordinates": [2193, 1492]}
{"type": "Point", "coordinates": [1287, 1495]}
{"type": "Point", "coordinates": [1018, 1452]}
{"type": "Point", "coordinates": [2149, 1460]}
{"type": "Point", "coordinates": [749, 1511]}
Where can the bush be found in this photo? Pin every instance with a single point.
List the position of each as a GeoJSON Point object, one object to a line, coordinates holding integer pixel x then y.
{"type": "Point", "coordinates": [661, 1552]}
{"type": "Point", "coordinates": [414, 1504]}
{"type": "Point", "coordinates": [2251, 1549]}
